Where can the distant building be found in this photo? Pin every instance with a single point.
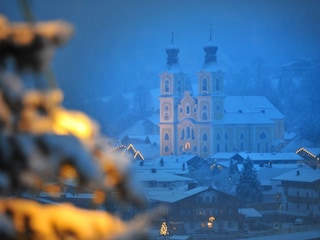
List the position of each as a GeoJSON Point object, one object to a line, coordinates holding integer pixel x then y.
{"type": "Point", "coordinates": [209, 121]}
{"type": "Point", "coordinates": [301, 195]}
{"type": "Point", "coordinates": [311, 156]}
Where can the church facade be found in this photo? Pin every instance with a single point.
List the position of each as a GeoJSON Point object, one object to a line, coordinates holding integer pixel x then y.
{"type": "Point", "coordinates": [208, 121]}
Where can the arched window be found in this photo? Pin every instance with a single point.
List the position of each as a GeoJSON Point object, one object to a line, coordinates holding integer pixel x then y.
{"type": "Point", "coordinates": [204, 107]}
{"type": "Point", "coordinates": [187, 145]}
{"type": "Point", "coordinates": [166, 137]}
{"type": "Point", "coordinates": [204, 84]}
{"type": "Point", "coordinates": [166, 84]}
{"type": "Point", "coordinates": [166, 116]}
{"type": "Point", "coordinates": [205, 149]}
{"type": "Point", "coordinates": [204, 116]}
{"type": "Point", "coordinates": [166, 149]}
{"type": "Point", "coordinates": [241, 136]}
{"type": "Point", "coordinates": [182, 134]}
{"type": "Point", "coordinates": [204, 137]}
{"type": "Point", "coordinates": [218, 84]}
{"type": "Point", "coordinates": [188, 132]}
{"type": "Point", "coordinates": [192, 134]}
{"type": "Point", "coordinates": [218, 136]}
{"type": "Point", "coordinates": [263, 136]}
{"type": "Point", "coordinates": [187, 110]}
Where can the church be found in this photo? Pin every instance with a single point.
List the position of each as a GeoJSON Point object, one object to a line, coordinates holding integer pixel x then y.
{"type": "Point", "coordinates": [206, 121]}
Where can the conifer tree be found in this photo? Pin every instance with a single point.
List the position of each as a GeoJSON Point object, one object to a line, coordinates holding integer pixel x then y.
{"type": "Point", "coordinates": [249, 188]}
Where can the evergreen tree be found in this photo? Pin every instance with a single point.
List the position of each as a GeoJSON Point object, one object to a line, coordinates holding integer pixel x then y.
{"type": "Point", "coordinates": [249, 188]}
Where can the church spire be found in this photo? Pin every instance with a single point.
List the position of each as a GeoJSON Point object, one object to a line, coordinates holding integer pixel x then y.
{"type": "Point", "coordinates": [211, 50]}
{"type": "Point", "coordinates": [172, 54]}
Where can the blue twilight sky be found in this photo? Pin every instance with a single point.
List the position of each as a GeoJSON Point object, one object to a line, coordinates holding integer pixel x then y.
{"type": "Point", "coordinates": [118, 43]}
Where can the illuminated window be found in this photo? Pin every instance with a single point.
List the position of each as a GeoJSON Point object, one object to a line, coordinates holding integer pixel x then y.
{"type": "Point", "coordinates": [187, 145]}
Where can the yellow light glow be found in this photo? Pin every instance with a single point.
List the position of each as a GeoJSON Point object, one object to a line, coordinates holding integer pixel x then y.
{"type": "Point", "coordinates": [84, 224]}
{"type": "Point", "coordinates": [67, 171]}
{"type": "Point", "coordinates": [99, 197]}
{"type": "Point", "coordinates": [75, 123]}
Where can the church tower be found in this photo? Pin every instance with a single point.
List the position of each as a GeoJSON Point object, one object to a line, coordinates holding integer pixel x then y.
{"type": "Point", "coordinates": [171, 90]}
{"type": "Point", "coordinates": [210, 100]}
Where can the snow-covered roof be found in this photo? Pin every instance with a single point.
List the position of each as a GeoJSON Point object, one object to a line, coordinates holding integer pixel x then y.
{"type": "Point", "coordinates": [171, 164]}
{"type": "Point", "coordinates": [274, 156]}
{"type": "Point", "coordinates": [136, 129]}
{"type": "Point", "coordinates": [148, 151]}
{"type": "Point", "coordinates": [148, 176]}
{"type": "Point", "coordinates": [314, 152]}
{"type": "Point", "coordinates": [302, 174]}
{"type": "Point", "coordinates": [251, 105]}
{"type": "Point", "coordinates": [224, 155]}
{"type": "Point", "coordinates": [249, 212]}
{"type": "Point", "coordinates": [174, 195]}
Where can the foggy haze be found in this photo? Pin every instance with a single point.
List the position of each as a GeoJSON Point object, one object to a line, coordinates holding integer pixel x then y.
{"type": "Point", "coordinates": [120, 42]}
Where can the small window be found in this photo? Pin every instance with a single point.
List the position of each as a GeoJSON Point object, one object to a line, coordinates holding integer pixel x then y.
{"type": "Point", "coordinates": [204, 116]}
{"type": "Point", "coordinates": [166, 137]}
{"type": "Point", "coordinates": [204, 84]}
{"type": "Point", "coordinates": [205, 149]}
{"type": "Point", "coordinates": [187, 110]}
{"type": "Point", "coordinates": [166, 89]}
{"type": "Point", "coordinates": [204, 137]}
{"type": "Point", "coordinates": [263, 136]}
{"type": "Point", "coordinates": [166, 149]}
{"type": "Point", "coordinates": [218, 84]}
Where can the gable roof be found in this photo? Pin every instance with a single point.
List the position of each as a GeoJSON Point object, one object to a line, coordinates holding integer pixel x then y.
{"type": "Point", "coordinates": [302, 174]}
